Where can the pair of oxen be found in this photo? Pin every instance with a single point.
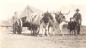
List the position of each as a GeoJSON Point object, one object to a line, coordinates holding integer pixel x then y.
{"type": "Point", "coordinates": [46, 22]}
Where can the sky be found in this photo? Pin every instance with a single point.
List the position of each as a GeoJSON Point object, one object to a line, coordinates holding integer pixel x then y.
{"type": "Point", "coordinates": [8, 7]}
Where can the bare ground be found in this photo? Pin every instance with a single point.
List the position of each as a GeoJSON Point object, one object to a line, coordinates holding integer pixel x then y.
{"type": "Point", "coordinates": [9, 40]}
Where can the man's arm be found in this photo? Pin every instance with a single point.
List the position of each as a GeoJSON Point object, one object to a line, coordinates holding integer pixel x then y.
{"type": "Point", "coordinates": [80, 19]}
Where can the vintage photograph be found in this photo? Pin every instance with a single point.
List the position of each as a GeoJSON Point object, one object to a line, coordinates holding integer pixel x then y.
{"type": "Point", "coordinates": [42, 24]}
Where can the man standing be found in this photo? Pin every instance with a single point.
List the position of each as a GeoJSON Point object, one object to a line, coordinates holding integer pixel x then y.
{"type": "Point", "coordinates": [45, 19]}
{"type": "Point", "coordinates": [19, 26]}
{"type": "Point", "coordinates": [14, 23]}
{"type": "Point", "coordinates": [78, 19]}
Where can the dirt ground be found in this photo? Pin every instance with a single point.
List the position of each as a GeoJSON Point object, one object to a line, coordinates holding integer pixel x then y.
{"type": "Point", "coordinates": [10, 40]}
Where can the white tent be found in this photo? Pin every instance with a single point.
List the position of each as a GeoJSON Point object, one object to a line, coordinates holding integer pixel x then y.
{"type": "Point", "coordinates": [32, 13]}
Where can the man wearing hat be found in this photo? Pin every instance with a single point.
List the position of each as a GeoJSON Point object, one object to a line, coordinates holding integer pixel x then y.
{"type": "Point", "coordinates": [78, 19]}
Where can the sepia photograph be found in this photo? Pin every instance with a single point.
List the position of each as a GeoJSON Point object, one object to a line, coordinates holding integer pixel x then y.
{"type": "Point", "coordinates": [42, 24]}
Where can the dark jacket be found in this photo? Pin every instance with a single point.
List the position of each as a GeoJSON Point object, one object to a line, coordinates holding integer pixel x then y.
{"type": "Point", "coordinates": [46, 17]}
{"type": "Point", "coordinates": [72, 25]}
{"type": "Point", "coordinates": [78, 18]}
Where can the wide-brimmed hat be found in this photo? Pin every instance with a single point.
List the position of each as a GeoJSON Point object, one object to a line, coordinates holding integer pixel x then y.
{"type": "Point", "coordinates": [77, 9]}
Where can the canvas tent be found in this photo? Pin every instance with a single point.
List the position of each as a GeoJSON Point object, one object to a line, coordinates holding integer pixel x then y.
{"type": "Point", "coordinates": [31, 13]}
